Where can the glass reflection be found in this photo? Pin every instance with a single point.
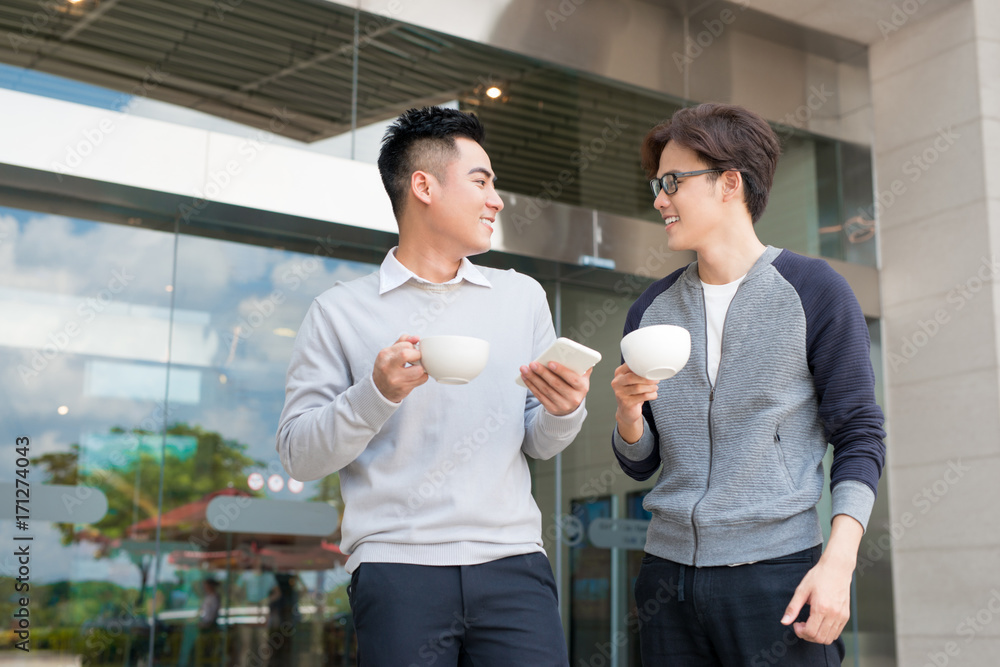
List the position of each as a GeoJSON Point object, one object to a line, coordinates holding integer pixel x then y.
{"type": "Point", "coordinates": [283, 591]}
{"type": "Point", "coordinates": [83, 303]}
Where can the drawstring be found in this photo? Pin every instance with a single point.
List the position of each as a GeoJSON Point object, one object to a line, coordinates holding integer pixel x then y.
{"type": "Point", "coordinates": [680, 586]}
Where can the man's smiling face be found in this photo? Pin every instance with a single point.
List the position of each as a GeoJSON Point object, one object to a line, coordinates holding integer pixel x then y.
{"type": "Point", "coordinates": [466, 205]}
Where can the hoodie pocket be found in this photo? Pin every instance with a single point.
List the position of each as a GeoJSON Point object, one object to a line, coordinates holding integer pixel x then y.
{"type": "Point", "coordinates": [781, 462]}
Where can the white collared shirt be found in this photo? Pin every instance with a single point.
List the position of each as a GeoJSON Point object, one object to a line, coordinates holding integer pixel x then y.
{"type": "Point", "coordinates": [392, 274]}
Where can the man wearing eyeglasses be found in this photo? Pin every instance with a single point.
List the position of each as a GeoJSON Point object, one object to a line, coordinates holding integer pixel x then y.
{"type": "Point", "coordinates": [735, 571]}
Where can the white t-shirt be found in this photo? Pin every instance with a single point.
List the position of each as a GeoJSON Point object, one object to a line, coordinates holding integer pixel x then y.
{"type": "Point", "coordinates": [717, 300]}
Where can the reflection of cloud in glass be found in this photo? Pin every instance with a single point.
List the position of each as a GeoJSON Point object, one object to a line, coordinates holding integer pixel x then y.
{"type": "Point", "coordinates": [50, 253]}
{"type": "Point", "coordinates": [55, 324]}
{"type": "Point", "coordinates": [109, 371]}
{"type": "Point", "coordinates": [142, 382]}
{"type": "Point", "coordinates": [262, 318]}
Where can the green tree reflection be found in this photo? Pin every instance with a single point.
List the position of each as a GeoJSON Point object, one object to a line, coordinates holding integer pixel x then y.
{"type": "Point", "coordinates": [129, 475]}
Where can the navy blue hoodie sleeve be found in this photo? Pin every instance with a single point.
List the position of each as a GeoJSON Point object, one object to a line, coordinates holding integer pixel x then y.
{"type": "Point", "coordinates": [644, 469]}
{"type": "Point", "coordinates": [838, 349]}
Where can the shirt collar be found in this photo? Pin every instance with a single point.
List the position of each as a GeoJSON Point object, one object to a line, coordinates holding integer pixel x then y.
{"type": "Point", "coordinates": [392, 274]}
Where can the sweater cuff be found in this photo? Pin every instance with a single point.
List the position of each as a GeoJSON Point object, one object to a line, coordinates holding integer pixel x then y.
{"type": "Point", "coordinates": [639, 450]}
{"type": "Point", "coordinates": [564, 426]}
{"type": "Point", "coordinates": [369, 403]}
{"type": "Point", "coordinates": [855, 499]}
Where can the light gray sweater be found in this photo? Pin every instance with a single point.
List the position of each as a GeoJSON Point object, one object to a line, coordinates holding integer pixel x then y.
{"type": "Point", "coordinates": [440, 478]}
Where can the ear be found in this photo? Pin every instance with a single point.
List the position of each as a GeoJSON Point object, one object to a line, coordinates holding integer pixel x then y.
{"type": "Point", "coordinates": [732, 185]}
{"type": "Point", "coordinates": [421, 185]}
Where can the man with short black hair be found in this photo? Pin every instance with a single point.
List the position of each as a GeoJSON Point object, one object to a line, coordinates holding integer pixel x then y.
{"type": "Point", "coordinates": [779, 367]}
{"type": "Point", "coordinates": [444, 537]}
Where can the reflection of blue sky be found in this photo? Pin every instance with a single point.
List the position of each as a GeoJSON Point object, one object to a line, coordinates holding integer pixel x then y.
{"type": "Point", "coordinates": [56, 87]}
{"type": "Point", "coordinates": [220, 286]}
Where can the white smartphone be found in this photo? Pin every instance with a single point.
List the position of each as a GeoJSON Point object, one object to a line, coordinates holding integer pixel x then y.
{"type": "Point", "coordinates": [570, 354]}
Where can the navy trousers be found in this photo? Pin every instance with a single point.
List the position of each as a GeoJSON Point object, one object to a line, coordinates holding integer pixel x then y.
{"type": "Point", "coordinates": [496, 614]}
{"type": "Point", "coordinates": [726, 616]}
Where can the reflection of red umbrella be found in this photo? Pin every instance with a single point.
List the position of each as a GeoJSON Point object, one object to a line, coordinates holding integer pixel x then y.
{"type": "Point", "coordinates": [286, 558]}
{"type": "Point", "coordinates": [181, 521]}
{"type": "Point", "coordinates": [215, 560]}
{"type": "Point", "coordinates": [189, 523]}
{"type": "Point", "coordinates": [276, 558]}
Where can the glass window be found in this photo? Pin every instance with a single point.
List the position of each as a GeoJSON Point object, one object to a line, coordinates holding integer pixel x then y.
{"type": "Point", "coordinates": [85, 343]}
{"type": "Point", "coordinates": [152, 398]}
{"type": "Point", "coordinates": [282, 587]}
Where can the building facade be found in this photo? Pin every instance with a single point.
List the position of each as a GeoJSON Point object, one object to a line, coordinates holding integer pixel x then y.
{"type": "Point", "coordinates": [178, 181]}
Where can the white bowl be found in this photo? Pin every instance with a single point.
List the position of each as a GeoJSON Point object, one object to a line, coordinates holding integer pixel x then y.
{"type": "Point", "coordinates": [657, 352]}
{"type": "Point", "coordinates": [453, 359]}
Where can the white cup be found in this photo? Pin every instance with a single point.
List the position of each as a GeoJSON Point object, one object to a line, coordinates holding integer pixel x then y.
{"type": "Point", "coordinates": [453, 359]}
{"type": "Point", "coordinates": [657, 352]}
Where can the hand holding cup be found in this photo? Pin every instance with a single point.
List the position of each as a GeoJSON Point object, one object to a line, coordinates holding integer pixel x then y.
{"type": "Point", "coordinates": [651, 354]}
{"type": "Point", "coordinates": [393, 374]}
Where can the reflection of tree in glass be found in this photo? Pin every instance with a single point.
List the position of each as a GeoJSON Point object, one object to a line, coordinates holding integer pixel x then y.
{"type": "Point", "coordinates": [132, 482]}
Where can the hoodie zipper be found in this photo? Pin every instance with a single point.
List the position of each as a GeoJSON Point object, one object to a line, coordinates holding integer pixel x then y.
{"type": "Point", "coordinates": [711, 401]}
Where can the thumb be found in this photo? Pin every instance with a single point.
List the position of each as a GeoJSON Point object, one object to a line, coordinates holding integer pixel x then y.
{"type": "Point", "coordinates": [795, 606]}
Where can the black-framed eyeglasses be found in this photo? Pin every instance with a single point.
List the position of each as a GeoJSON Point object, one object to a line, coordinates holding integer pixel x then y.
{"type": "Point", "coordinates": [668, 182]}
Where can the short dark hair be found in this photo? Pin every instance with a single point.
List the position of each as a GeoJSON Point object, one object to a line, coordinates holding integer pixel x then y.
{"type": "Point", "coordinates": [725, 137]}
{"type": "Point", "coordinates": [422, 139]}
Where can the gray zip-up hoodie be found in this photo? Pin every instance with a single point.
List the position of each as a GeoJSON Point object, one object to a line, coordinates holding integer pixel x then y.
{"type": "Point", "coordinates": [742, 460]}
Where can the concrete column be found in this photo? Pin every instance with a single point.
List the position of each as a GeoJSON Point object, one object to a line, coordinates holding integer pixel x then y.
{"type": "Point", "coordinates": [936, 100]}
